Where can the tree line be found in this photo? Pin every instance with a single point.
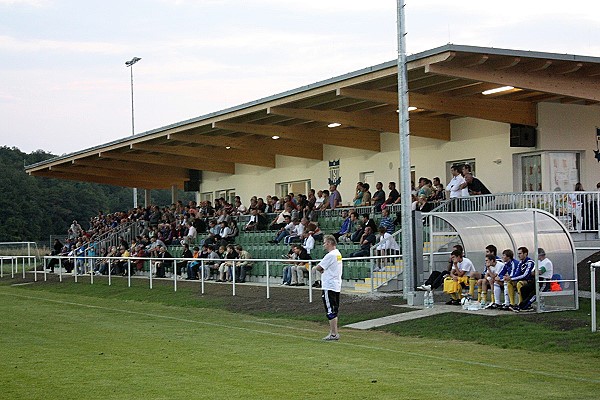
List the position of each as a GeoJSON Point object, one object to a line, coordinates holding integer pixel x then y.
{"type": "Point", "coordinates": [33, 208]}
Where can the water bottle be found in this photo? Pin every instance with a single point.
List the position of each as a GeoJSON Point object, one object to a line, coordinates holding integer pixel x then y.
{"type": "Point", "coordinates": [431, 299]}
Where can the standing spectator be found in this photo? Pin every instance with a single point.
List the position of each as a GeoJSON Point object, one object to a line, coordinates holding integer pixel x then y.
{"type": "Point", "coordinates": [454, 186]}
{"type": "Point", "coordinates": [378, 197]}
{"type": "Point", "coordinates": [331, 269]}
{"type": "Point", "coordinates": [393, 196]}
{"type": "Point", "coordinates": [335, 198]}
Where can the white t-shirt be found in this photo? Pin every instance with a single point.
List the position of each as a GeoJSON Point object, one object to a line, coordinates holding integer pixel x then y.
{"type": "Point", "coordinates": [387, 242]}
{"type": "Point", "coordinates": [309, 244]}
{"type": "Point", "coordinates": [454, 186]}
{"type": "Point", "coordinates": [331, 279]}
{"type": "Point", "coordinates": [465, 265]}
{"type": "Point", "coordinates": [549, 268]}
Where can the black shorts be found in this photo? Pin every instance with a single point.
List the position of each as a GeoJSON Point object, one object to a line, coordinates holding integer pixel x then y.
{"type": "Point", "coordinates": [331, 301]}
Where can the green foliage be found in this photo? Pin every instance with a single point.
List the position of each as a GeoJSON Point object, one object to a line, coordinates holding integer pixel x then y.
{"type": "Point", "coordinates": [33, 208]}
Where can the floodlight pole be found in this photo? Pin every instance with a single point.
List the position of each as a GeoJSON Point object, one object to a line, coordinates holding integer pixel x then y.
{"type": "Point", "coordinates": [129, 65]}
{"type": "Point", "coordinates": [405, 189]}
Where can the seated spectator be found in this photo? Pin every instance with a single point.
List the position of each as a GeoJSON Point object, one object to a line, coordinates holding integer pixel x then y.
{"type": "Point", "coordinates": [140, 253]}
{"type": "Point", "coordinates": [191, 235]}
{"type": "Point", "coordinates": [225, 267]}
{"type": "Point", "coordinates": [279, 221]}
{"type": "Point", "coordinates": [243, 267]}
{"type": "Point", "coordinates": [213, 232]}
{"type": "Point", "coordinates": [193, 267]}
{"type": "Point", "coordinates": [161, 265]}
{"type": "Point", "coordinates": [298, 269]}
{"type": "Point", "coordinates": [297, 234]}
{"type": "Point", "coordinates": [387, 245]}
{"type": "Point", "coordinates": [254, 224]}
{"type": "Point", "coordinates": [325, 202]}
{"type": "Point", "coordinates": [367, 241]}
{"type": "Point", "coordinates": [459, 277]}
{"type": "Point", "coordinates": [385, 222]}
{"type": "Point", "coordinates": [225, 235]}
{"type": "Point", "coordinates": [212, 265]}
{"type": "Point", "coordinates": [522, 277]}
{"type": "Point", "coordinates": [354, 225]}
{"type": "Point", "coordinates": [346, 226]}
{"type": "Point", "coordinates": [436, 279]}
{"type": "Point", "coordinates": [285, 230]}
{"type": "Point", "coordinates": [287, 266]}
{"type": "Point", "coordinates": [492, 268]}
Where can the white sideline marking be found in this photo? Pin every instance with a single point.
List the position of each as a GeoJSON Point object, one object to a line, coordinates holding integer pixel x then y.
{"type": "Point", "coordinates": [287, 335]}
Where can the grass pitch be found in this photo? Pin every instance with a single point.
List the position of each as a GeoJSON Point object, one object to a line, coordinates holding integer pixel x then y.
{"type": "Point", "coordinates": [57, 343]}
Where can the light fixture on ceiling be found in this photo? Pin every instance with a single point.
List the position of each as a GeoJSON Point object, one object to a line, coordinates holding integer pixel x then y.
{"type": "Point", "coordinates": [274, 137]}
{"type": "Point", "coordinates": [497, 90]}
{"type": "Point", "coordinates": [334, 125]}
{"type": "Point", "coordinates": [411, 108]}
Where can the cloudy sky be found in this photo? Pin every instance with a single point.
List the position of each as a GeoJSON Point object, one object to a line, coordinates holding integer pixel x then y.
{"type": "Point", "coordinates": [64, 85]}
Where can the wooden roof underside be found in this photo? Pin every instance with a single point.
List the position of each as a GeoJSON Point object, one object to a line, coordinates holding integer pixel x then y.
{"type": "Point", "coordinates": [442, 86]}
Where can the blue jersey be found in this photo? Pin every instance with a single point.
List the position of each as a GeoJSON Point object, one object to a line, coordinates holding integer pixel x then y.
{"type": "Point", "coordinates": [510, 268]}
{"type": "Point", "coordinates": [524, 271]}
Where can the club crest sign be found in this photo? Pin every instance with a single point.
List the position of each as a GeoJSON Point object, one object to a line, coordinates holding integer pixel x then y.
{"type": "Point", "coordinates": [334, 172]}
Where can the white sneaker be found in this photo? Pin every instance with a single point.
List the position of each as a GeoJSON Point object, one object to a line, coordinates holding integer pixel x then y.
{"type": "Point", "coordinates": [331, 337]}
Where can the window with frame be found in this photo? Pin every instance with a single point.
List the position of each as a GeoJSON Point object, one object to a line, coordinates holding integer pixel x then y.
{"type": "Point", "coordinates": [469, 161]}
{"type": "Point", "coordinates": [283, 188]}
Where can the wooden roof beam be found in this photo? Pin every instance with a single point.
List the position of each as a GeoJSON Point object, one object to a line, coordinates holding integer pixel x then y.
{"type": "Point", "coordinates": [236, 155]}
{"type": "Point", "coordinates": [435, 128]}
{"type": "Point", "coordinates": [179, 161]}
{"type": "Point", "coordinates": [131, 175]}
{"type": "Point", "coordinates": [116, 181]}
{"type": "Point", "coordinates": [284, 147]}
{"type": "Point", "coordinates": [583, 87]}
{"type": "Point", "coordinates": [117, 166]}
{"type": "Point", "coordinates": [488, 109]}
{"type": "Point", "coordinates": [357, 139]}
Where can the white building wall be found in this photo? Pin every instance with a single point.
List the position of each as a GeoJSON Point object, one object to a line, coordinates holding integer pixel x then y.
{"type": "Point", "coordinates": [571, 127]}
{"type": "Point", "coordinates": [561, 127]}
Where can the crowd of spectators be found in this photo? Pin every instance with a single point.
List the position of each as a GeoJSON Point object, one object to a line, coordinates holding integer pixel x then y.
{"type": "Point", "coordinates": [215, 227]}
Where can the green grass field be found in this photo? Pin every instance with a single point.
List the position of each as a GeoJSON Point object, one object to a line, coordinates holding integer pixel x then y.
{"type": "Point", "coordinates": [75, 341]}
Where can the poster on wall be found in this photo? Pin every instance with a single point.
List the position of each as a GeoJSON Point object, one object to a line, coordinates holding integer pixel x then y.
{"type": "Point", "coordinates": [563, 171]}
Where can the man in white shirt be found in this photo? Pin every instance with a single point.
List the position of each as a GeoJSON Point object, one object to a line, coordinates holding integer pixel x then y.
{"type": "Point", "coordinates": [331, 270]}
{"type": "Point", "coordinates": [461, 274]}
{"type": "Point", "coordinates": [455, 185]}
{"type": "Point", "coordinates": [190, 238]}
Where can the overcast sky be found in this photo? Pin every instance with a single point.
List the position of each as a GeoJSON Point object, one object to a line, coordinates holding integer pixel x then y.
{"type": "Point", "coordinates": [64, 85]}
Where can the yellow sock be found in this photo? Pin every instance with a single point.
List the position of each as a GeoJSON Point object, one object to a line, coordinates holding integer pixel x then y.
{"type": "Point", "coordinates": [472, 284]}
{"type": "Point", "coordinates": [493, 297]}
{"type": "Point", "coordinates": [511, 293]}
{"type": "Point", "coordinates": [479, 295]}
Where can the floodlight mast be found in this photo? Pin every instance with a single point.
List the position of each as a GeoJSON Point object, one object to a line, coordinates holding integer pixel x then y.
{"type": "Point", "coordinates": [405, 189]}
{"type": "Point", "coordinates": [129, 64]}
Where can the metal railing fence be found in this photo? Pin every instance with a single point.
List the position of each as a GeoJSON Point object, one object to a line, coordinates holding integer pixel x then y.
{"type": "Point", "coordinates": [94, 261]}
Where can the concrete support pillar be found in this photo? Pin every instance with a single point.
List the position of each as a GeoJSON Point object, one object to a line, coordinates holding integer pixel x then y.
{"type": "Point", "coordinates": [147, 198]}
{"type": "Point", "coordinates": [173, 194]}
